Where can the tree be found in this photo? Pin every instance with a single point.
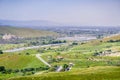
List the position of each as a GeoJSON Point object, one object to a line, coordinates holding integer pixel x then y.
{"type": "Point", "coordinates": [64, 41]}
{"type": "Point", "coordinates": [95, 54]}
{"type": "Point", "coordinates": [74, 43]}
{"type": "Point", "coordinates": [65, 66]}
{"type": "Point", "coordinates": [111, 41]}
{"type": "Point", "coordinates": [1, 52]}
{"type": "Point", "coordinates": [2, 68]}
{"type": "Point", "coordinates": [27, 53]}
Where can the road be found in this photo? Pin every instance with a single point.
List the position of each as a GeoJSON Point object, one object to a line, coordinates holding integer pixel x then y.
{"type": "Point", "coordinates": [37, 55]}
{"type": "Point", "coordinates": [46, 63]}
{"type": "Point", "coordinates": [32, 47]}
{"type": "Point", "coordinates": [59, 69]}
{"type": "Point", "coordinates": [41, 59]}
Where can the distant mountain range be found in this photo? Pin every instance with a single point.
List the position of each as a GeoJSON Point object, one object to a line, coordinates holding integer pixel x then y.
{"type": "Point", "coordinates": [41, 24]}
{"type": "Point", "coordinates": [31, 23]}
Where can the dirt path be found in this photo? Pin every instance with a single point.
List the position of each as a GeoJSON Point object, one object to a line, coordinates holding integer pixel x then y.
{"type": "Point", "coordinates": [41, 59]}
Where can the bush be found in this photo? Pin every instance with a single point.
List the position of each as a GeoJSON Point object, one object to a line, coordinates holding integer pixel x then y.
{"type": "Point", "coordinates": [96, 54]}
{"type": "Point", "coordinates": [9, 71]}
{"type": "Point", "coordinates": [16, 70]}
{"type": "Point", "coordinates": [2, 68]}
{"type": "Point", "coordinates": [65, 66]}
{"type": "Point", "coordinates": [74, 43]}
{"type": "Point", "coordinates": [1, 52]}
{"type": "Point", "coordinates": [27, 53]}
{"type": "Point", "coordinates": [29, 69]}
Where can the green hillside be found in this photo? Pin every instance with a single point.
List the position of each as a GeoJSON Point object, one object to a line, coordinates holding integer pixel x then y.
{"type": "Point", "coordinates": [25, 32]}
{"type": "Point", "coordinates": [89, 61]}
{"type": "Point", "coordinates": [113, 37]}
{"type": "Point", "coordinates": [93, 73]}
{"type": "Point", "coordinates": [16, 61]}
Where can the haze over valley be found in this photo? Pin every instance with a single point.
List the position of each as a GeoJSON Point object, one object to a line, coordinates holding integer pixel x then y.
{"type": "Point", "coordinates": [59, 40]}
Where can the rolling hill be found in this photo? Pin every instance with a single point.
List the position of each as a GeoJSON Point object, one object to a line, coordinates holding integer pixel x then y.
{"type": "Point", "coordinates": [90, 62]}
{"type": "Point", "coordinates": [93, 73]}
{"type": "Point", "coordinates": [25, 32]}
{"type": "Point", "coordinates": [87, 65]}
{"type": "Point", "coordinates": [112, 37]}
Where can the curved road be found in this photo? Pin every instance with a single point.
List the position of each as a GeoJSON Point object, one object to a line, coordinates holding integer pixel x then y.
{"type": "Point", "coordinates": [41, 59]}
{"type": "Point", "coordinates": [37, 55]}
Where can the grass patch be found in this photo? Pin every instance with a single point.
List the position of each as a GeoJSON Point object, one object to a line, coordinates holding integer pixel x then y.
{"type": "Point", "coordinates": [92, 73]}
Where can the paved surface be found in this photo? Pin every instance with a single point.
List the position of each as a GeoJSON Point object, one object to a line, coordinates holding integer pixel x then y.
{"type": "Point", "coordinates": [31, 47]}
{"type": "Point", "coordinates": [38, 55]}
{"type": "Point", "coordinates": [59, 69]}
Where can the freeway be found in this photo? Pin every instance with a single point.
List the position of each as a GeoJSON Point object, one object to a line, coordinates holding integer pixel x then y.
{"type": "Point", "coordinates": [32, 47]}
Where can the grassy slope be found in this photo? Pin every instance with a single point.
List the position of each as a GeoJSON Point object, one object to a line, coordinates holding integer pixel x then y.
{"type": "Point", "coordinates": [113, 37]}
{"type": "Point", "coordinates": [25, 32]}
{"type": "Point", "coordinates": [92, 73]}
{"type": "Point", "coordinates": [11, 46]}
{"type": "Point", "coordinates": [15, 61]}
{"type": "Point", "coordinates": [79, 56]}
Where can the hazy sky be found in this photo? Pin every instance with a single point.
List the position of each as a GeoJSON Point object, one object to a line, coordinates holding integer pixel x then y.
{"type": "Point", "coordinates": [76, 12]}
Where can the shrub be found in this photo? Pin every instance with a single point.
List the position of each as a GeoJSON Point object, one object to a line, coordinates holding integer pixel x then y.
{"type": "Point", "coordinates": [1, 52]}
{"type": "Point", "coordinates": [96, 54]}
{"type": "Point", "coordinates": [9, 71]}
{"type": "Point", "coordinates": [74, 43]}
{"type": "Point", "coordinates": [16, 70]}
{"type": "Point", "coordinates": [29, 69]}
{"type": "Point", "coordinates": [27, 53]}
{"type": "Point", "coordinates": [65, 66]}
{"type": "Point", "coordinates": [2, 68]}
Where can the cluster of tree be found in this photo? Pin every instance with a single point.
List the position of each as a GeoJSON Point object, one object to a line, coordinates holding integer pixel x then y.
{"type": "Point", "coordinates": [102, 53]}
{"type": "Point", "coordinates": [30, 41]}
{"type": "Point", "coordinates": [25, 71]}
{"type": "Point", "coordinates": [46, 42]}
{"type": "Point", "coordinates": [65, 67]}
{"type": "Point", "coordinates": [113, 41]}
{"type": "Point", "coordinates": [96, 53]}
{"type": "Point", "coordinates": [74, 43]}
{"type": "Point", "coordinates": [57, 41]}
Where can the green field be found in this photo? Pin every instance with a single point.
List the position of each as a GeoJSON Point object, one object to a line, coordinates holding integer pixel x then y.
{"type": "Point", "coordinates": [10, 46]}
{"type": "Point", "coordinates": [89, 61]}
{"type": "Point", "coordinates": [17, 61]}
{"type": "Point", "coordinates": [92, 73]}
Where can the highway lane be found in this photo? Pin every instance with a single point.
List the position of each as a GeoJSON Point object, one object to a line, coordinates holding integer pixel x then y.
{"type": "Point", "coordinates": [32, 47]}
